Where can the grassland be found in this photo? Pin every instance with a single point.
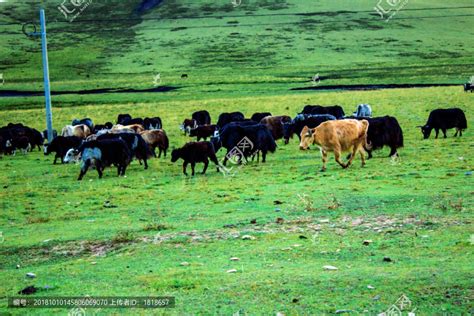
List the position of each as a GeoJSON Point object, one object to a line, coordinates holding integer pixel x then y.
{"type": "Point", "coordinates": [417, 211]}
{"type": "Point", "coordinates": [130, 236]}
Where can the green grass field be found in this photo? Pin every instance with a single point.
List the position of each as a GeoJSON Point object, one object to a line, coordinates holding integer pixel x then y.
{"type": "Point", "coordinates": [157, 232]}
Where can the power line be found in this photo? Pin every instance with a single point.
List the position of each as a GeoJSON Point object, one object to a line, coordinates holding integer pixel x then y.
{"type": "Point", "coordinates": [322, 13]}
{"type": "Point", "coordinates": [177, 28]}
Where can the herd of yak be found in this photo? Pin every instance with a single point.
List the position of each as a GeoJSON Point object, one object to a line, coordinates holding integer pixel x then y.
{"type": "Point", "coordinates": [99, 146]}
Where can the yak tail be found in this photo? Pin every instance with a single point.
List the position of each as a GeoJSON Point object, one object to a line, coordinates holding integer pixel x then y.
{"type": "Point", "coordinates": [363, 134]}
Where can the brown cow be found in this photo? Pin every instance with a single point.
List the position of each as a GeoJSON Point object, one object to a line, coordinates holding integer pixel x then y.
{"type": "Point", "coordinates": [275, 125]}
{"type": "Point", "coordinates": [156, 138]}
{"type": "Point", "coordinates": [136, 128]}
{"type": "Point", "coordinates": [81, 131]}
{"type": "Point", "coordinates": [338, 136]}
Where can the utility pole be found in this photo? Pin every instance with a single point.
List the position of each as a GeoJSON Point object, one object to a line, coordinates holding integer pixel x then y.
{"type": "Point", "coordinates": [47, 90]}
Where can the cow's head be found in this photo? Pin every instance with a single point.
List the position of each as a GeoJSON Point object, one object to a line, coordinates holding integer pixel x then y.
{"type": "Point", "coordinates": [175, 155]}
{"type": "Point", "coordinates": [426, 131]}
{"type": "Point", "coordinates": [72, 155]}
{"type": "Point", "coordinates": [307, 137]}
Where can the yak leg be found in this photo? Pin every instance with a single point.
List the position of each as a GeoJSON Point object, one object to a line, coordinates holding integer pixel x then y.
{"type": "Point", "coordinates": [393, 151]}
{"type": "Point", "coordinates": [84, 169]}
{"type": "Point", "coordinates": [264, 155]}
{"type": "Point", "coordinates": [456, 134]}
{"type": "Point", "coordinates": [325, 159]}
{"type": "Point", "coordinates": [99, 168]}
{"type": "Point", "coordinates": [185, 165]}
{"type": "Point", "coordinates": [337, 157]}
{"type": "Point", "coordinates": [206, 163]}
{"type": "Point", "coordinates": [437, 132]}
{"type": "Point", "coordinates": [193, 165]}
{"type": "Point", "coordinates": [159, 152]}
{"type": "Point", "coordinates": [444, 132]}
{"type": "Point", "coordinates": [124, 167]}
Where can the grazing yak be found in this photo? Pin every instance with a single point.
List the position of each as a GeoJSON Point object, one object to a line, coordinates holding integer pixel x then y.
{"type": "Point", "coordinates": [122, 118]}
{"type": "Point", "coordinates": [275, 125]}
{"type": "Point", "coordinates": [16, 134]}
{"type": "Point", "coordinates": [103, 153]}
{"type": "Point", "coordinates": [152, 123]}
{"type": "Point", "coordinates": [193, 153]}
{"type": "Point", "coordinates": [84, 121]}
{"type": "Point", "coordinates": [468, 87]}
{"type": "Point", "coordinates": [383, 131]}
{"type": "Point", "coordinates": [257, 117]}
{"type": "Point", "coordinates": [20, 142]}
{"type": "Point", "coordinates": [134, 128]}
{"type": "Point", "coordinates": [337, 136]}
{"type": "Point", "coordinates": [363, 110]}
{"type": "Point", "coordinates": [45, 134]}
{"type": "Point", "coordinates": [203, 131]}
{"type": "Point", "coordinates": [302, 120]}
{"type": "Point", "coordinates": [444, 119]}
{"type": "Point", "coordinates": [81, 131]}
{"type": "Point", "coordinates": [334, 110]}
{"type": "Point", "coordinates": [198, 118]}
{"type": "Point", "coordinates": [137, 146]}
{"type": "Point", "coordinates": [261, 140]}
{"type": "Point", "coordinates": [226, 118]}
{"type": "Point", "coordinates": [61, 145]}
{"type": "Point", "coordinates": [101, 127]}
{"type": "Point", "coordinates": [156, 139]}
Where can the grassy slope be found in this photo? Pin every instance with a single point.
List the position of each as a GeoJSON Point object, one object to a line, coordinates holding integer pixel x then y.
{"type": "Point", "coordinates": [426, 192]}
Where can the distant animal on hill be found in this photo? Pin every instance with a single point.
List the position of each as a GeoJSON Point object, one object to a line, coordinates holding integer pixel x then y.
{"type": "Point", "coordinates": [444, 119]}
{"type": "Point", "coordinates": [193, 153]}
{"type": "Point", "coordinates": [337, 136]}
{"type": "Point", "coordinates": [184, 76]}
